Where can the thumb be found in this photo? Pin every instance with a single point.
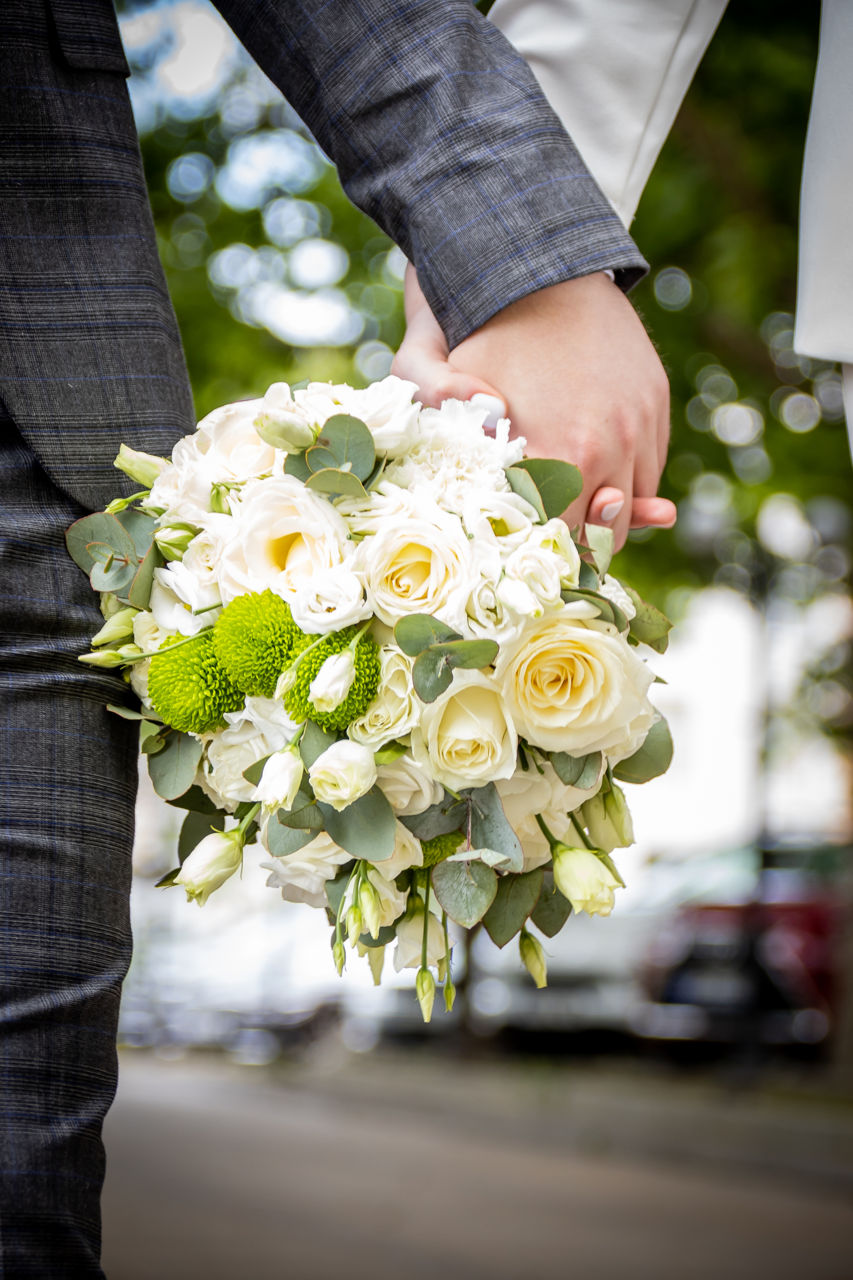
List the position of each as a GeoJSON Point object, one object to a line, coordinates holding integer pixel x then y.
{"type": "Point", "coordinates": [423, 360]}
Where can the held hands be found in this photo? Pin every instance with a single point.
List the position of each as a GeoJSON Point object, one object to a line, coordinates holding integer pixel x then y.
{"type": "Point", "coordinates": [580, 380]}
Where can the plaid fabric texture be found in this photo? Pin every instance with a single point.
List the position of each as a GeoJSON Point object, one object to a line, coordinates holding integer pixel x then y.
{"type": "Point", "coordinates": [67, 787]}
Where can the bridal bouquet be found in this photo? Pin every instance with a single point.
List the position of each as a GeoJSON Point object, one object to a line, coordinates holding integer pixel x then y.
{"type": "Point", "coordinates": [362, 638]}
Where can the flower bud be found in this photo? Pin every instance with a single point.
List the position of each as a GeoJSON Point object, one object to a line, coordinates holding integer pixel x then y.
{"type": "Point", "coordinates": [584, 880]}
{"type": "Point", "coordinates": [144, 468]}
{"type": "Point", "coordinates": [280, 780]}
{"type": "Point", "coordinates": [333, 681]}
{"type": "Point", "coordinates": [103, 658]}
{"type": "Point", "coordinates": [173, 540]}
{"type": "Point", "coordinates": [339, 956]}
{"type": "Point", "coordinates": [119, 626]}
{"type": "Point", "coordinates": [355, 924]}
{"type": "Point", "coordinates": [533, 958]}
{"type": "Point", "coordinates": [425, 988]}
{"type": "Point", "coordinates": [213, 861]}
{"type": "Point", "coordinates": [281, 422]}
{"type": "Point", "coordinates": [449, 993]}
{"type": "Point", "coordinates": [285, 682]}
{"type": "Point", "coordinates": [371, 907]}
{"type": "Point", "coordinates": [608, 820]}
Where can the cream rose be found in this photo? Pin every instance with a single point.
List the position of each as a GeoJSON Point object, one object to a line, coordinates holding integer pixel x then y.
{"type": "Point", "coordinates": [421, 565]}
{"type": "Point", "coordinates": [574, 684]}
{"type": "Point", "coordinates": [466, 738]}
{"type": "Point", "coordinates": [283, 534]}
{"type": "Point", "coordinates": [407, 788]}
{"type": "Point", "coordinates": [395, 709]}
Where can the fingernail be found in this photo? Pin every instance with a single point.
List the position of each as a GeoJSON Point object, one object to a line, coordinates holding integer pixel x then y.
{"type": "Point", "coordinates": [611, 510]}
{"type": "Point", "coordinates": [496, 409]}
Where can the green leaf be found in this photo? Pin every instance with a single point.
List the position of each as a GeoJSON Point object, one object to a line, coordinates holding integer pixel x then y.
{"type": "Point", "coordinates": [389, 753]}
{"type": "Point", "coordinates": [196, 799]}
{"type": "Point", "coordinates": [274, 433]}
{"type": "Point", "coordinates": [305, 814]}
{"type": "Point", "coordinates": [168, 878]}
{"type": "Point", "coordinates": [465, 890]}
{"type": "Point", "coordinates": [153, 737]}
{"type": "Point", "coordinates": [254, 771]}
{"type": "Point", "coordinates": [319, 459]}
{"type": "Point", "coordinates": [98, 527]}
{"type": "Point", "coordinates": [650, 626]}
{"type": "Point", "coordinates": [490, 828]}
{"type": "Point", "coordinates": [420, 630]}
{"type": "Point", "coordinates": [284, 840]}
{"type": "Point", "coordinates": [577, 771]}
{"type": "Point", "coordinates": [524, 485]}
{"type": "Point", "coordinates": [558, 483]}
{"type": "Point", "coordinates": [439, 819]}
{"type": "Point", "coordinates": [139, 594]}
{"type": "Point", "coordinates": [552, 910]}
{"type": "Point", "coordinates": [140, 527]}
{"type": "Point", "coordinates": [337, 887]}
{"type": "Point", "coordinates": [610, 865]}
{"type": "Point", "coordinates": [431, 674]}
{"type": "Point", "coordinates": [607, 610]}
{"type": "Point", "coordinates": [387, 933]}
{"type": "Point", "coordinates": [128, 713]}
{"type": "Point", "coordinates": [349, 441]}
{"type": "Point", "coordinates": [296, 466]}
{"type": "Point", "coordinates": [599, 539]}
{"type": "Point", "coordinates": [588, 579]}
{"type": "Point", "coordinates": [334, 483]}
{"type": "Point", "coordinates": [314, 742]}
{"type": "Point", "coordinates": [174, 768]}
{"type": "Point", "coordinates": [367, 828]}
{"type": "Point", "coordinates": [468, 654]}
{"type": "Point", "coordinates": [651, 760]}
{"type": "Point", "coordinates": [116, 578]}
{"type": "Point", "coordinates": [193, 830]}
{"type": "Point", "coordinates": [515, 899]}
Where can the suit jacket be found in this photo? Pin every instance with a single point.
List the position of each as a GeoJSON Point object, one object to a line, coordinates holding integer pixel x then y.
{"type": "Point", "coordinates": [616, 72]}
{"type": "Point", "coordinates": [439, 130]}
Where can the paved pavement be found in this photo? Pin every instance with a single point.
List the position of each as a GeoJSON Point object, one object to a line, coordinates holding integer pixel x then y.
{"type": "Point", "coordinates": [419, 1168]}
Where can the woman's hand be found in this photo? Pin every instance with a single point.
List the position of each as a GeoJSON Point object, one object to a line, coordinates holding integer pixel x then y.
{"type": "Point", "coordinates": [574, 369]}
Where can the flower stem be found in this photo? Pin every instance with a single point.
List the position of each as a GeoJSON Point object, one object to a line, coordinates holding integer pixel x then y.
{"type": "Point", "coordinates": [547, 833]}
{"type": "Point", "coordinates": [581, 832]}
{"type": "Point", "coordinates": [248, 820]}
{"type": "Point", "coordinates": [425, 938]}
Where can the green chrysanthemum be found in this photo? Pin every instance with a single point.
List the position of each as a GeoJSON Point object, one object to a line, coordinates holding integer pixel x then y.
{"type": "Point", "coordinates": [361, 693]}
{"type": "Point", "coordinates": [253, 639]}
{"type": "Point", "coordinates": [189, 688]}
{"type": "Point", "coordinates": [441, 847]}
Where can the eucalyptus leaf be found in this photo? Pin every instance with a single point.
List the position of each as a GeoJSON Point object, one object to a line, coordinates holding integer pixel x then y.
{"type": "Point", "coordinates": [651, 760]}
{"type": "Point", "coordinates": [283, 840]}
{"type": "Point", "coordinates": [366, 828]}
{"type": "Point", "coordinates": [465, 890]}
{"type": "Point", "coordinates": [468, 654]}
{"type": "Point", "coordinates": [599, 539]}
{"type": "Point", "coordinates": [296, 466]}
{"type": "Point", "coordinates": [389, 753]}
{"type": "Point", "coordinates": [139, 594]}
{"type": "Point", "coordinates": [304, 814]}
{"type": "Point", "coordinates": [432, 674]}
{"type": "Point", "coordinates": [490, 828]}
{"type": "Point", "coordinates": [174, 768]}
{"type": "Point", "coordinates": [168, 878]}
{"type": "Point", "coordinates": [515, 899]}
{"type": "Point", "coordinates": [348, 440]}
{"type": "Point", "coordinates": [102, 553]}
{"type": "Point", "coordinates": [337, 887]}
{"type": "Point", "coordinates": [116, 578]}
{"type": "Point", "coordinates": [558, 483]}
{"type": "Point", "coordinates": [588, 579]}
{"type": "Point", "coordinates": [522, 483]}
{"type": "Point", "coordinates": [98, 527]}
{"type": "Point", "coordinates": [140, 527]}
{"type": "Point", "coordinates": [649, 626]}
{"type": "Point", "coordinates": [577, 771]}
{"type": "Point", "coordinates": [419, 631]}
{"type": "Point", "coordinates": [439, 819]}
{"type": "Point", "coordinates": [387, 933]}
{"type": "Point", "coordinates": [552, 910]}
{"type": "Point", "coordinates": [152, 737]}
{"type": "Point", "coordinates": [607, 610]}
{"type": "Point", "coordinates": [314, 742]}
{"type": "Point", "coordinates": [254, 771]}
{"type": "Point", "coordinates": [335, 483]}
{"type": "Point", "coordinates": [194, 829]}
{"type": "Point", "coordinates": [129, 713]}
{"type": "Point", "coordinates": [196, 799]}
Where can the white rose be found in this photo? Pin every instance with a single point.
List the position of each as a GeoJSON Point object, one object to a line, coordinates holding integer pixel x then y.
{"type": "Point", "coordinates": [466, 738]}
{"type": "Point", "coordinates": [333, 681]}
{"type": "Point", "coordinates": [407, 788]}
{"type": "Point", "coordinates": [330, 600]}
{"type": "Point", "coordinates": [394, 711]}
{"type": "Point", "coordinates": [345, 771]}
{"type": "Point", "coordinates": [384, 505]}
{"type": "Point", "coordinates": [280, 780]}
{"type": "Point", "coordinates": [280, 411]}
{"type": "Point", "coordinates": [419, 566]}
{"type": "Point", "coordinates": [213, 861]}
{"type": "Point", "coordinates": [584, 880]}
{"type": "Point", "coordinates": [410, 932]}
{"type": "Point", "coordinates": [256, 730]}
{"type": "Point", "coordinates": [283, 534]}
{"type": "Point", "coordinates": [575, 685]}
{"type": "Point", "coordinates": [302, 876]}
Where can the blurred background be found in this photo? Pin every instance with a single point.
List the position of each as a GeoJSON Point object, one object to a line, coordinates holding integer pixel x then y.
{"type": "Point", "coordinates": [680, 1099]}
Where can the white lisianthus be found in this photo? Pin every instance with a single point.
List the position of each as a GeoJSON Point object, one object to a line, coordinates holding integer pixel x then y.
{"type": "Point", "coordinates": [503, 520]}
{"type": "Point", "coordinates": [392, 903]}
{"type": "Point", "coordinates": [344, 772]}
{"type": "Point", "coordinates": [537, 569]}
{"type": "Point", "coordinates": [385, 407]}
{"type": "Point", "coordinates": [424, 565]}
{"type": "Point", "coordinates": [518, 598]}
{"type": "Point", "coordinates": [407, 788]}
{"type": "Point", "coordinates": [488, 615]}
{"type": "Point", "coordinates": [258, 729]}
{"type": "Point", "coordinates": [181, 602]}
{"type": "Point", "coordinates": [410, 932]}
{"type": "Point", "coordinates": [613, 590]}
{"type": "Point", "coordinates": [280, 780]}
{"type": "Point", "coordinates": [608, 819]}
{"type": "Point", "coordinates": [466, 738]}
{"type": "Point", "coordinates": [302, 876]}
{"type": "Point", "coordinates": [394, 711]}
{"type": "Point", "coordinates": [283, 534]}
{"type": "Point", "coordinates": [144, 468]}
{"type": "Point", "coordinates": [330, 600]}
{"type": "Point", "coordinates": [149, 636]}
{"type": "Point", "coordinates": [584, 879]}
{"type": "Point", "coordinates": [213, 861]}
{"type": "Point", "coordinates": [278, 410]}
{"type": "Point", "coordinates": [553, 536]}
{"type": "Point", "coordinates": [573, 684]}
{"type": "Point", "coordinates": [333, 681]}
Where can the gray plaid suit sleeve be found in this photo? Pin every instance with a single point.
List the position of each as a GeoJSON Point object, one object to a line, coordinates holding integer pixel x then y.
{"type": "Point", "coordinates": [441, 133]}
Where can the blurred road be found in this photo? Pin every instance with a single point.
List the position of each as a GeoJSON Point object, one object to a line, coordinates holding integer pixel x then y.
{"type": "Point", "coordinates": [218, 1173]}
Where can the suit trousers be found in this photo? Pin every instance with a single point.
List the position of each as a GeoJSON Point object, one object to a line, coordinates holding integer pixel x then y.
{"type": "Point", "coordinates": [68, 770]}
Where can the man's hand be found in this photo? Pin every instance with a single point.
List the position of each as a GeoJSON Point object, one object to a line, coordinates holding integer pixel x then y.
{"type": "Point", "coordinates": [580, 380]}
